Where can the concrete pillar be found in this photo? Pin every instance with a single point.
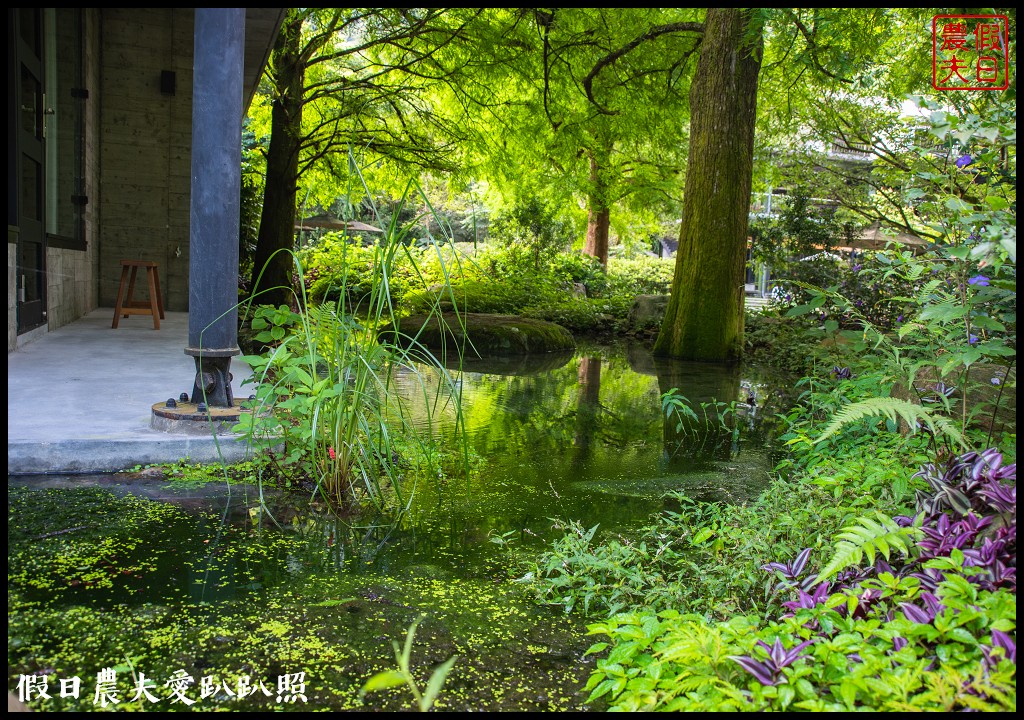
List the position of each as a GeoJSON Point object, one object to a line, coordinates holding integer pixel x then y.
{"type": "Point", "coordinates": [216, 182]}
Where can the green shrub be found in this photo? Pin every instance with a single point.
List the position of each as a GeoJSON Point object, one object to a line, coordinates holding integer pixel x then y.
{"type": "Point", "coordinates": [679, 663]}
{"type": "Point", "coordinates": [629, 277]}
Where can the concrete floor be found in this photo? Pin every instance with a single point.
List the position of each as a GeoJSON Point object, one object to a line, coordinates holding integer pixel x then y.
{"type": "Point", "coordinates": [79, 399]}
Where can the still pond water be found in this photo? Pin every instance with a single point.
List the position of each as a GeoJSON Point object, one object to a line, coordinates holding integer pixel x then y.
{"type": "Point", "coordinates": [196, 590]}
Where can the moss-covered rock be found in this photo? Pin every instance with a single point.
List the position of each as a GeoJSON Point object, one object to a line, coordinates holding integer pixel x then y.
{"type": "Point", "coordinates": [647, 312]}
{"type": "Point", "coordinates": [479, 335]}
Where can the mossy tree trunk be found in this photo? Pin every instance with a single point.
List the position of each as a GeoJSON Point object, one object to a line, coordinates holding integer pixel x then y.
{"type": "Point", "coordinates": [277, 220]}
{"type": "Point", "coordinates": [704, 318]}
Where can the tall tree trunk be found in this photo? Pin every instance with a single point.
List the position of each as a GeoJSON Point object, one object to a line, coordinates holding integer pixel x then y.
{"type": "Point", "coordinates": [704, 318]}
{"type": "Point", "coordinates": [598, 217]}
{"type": "Point", "coordinates": [277, 220]}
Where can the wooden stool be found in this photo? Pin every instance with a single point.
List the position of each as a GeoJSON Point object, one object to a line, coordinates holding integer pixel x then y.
{"type": "Point", "coordinates": [126, 305]}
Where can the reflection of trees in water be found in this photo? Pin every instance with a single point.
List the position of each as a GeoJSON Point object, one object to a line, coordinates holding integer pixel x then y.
{"type": "Point", "coordinates": [616, 409]}
{"type": "Point", "coordinates": [596, 400]}
{"type": "Point", "coordinates": [453, 541]}
{"type": "Point", "coordinates": [588, 406]}
{"type": "Point", "coordinates": [599, 404]}
{"type": "Point", "coordinates": [586, 440]}
{"type": "Point", "coordinates": [708, 434]}
{"type": "Point", "coordinates": [722, 451]}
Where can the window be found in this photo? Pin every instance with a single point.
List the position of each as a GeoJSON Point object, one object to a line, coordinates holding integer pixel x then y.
{"type": "Point", "coordinates": [64, 124]}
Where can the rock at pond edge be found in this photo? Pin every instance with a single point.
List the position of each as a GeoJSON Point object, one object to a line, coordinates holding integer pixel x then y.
{"type": "Point", "coordinates": [488, 335]}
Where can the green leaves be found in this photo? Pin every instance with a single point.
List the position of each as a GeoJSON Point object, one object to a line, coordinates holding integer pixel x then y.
{"type": "Point", "coordinates": [681, 662]}
{"type": "Point", "coordinates": [871, 534]}
{"type": "Point", "coordinates": [382, 680]}
{"type": "Point", "coordinates": [403, 675]}
{"type": "Point", "coordinates": [894, 409]}
{"type": "Point", "coordinates": [816, 302]}
{"type": "Point", "coordinates": [323, 405]}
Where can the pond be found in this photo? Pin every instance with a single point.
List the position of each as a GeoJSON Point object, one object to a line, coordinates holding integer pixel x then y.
{"type": "Point", "coordinates": [169, 597]}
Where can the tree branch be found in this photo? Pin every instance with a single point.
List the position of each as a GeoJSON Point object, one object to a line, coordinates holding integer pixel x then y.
{"type": "Point", "coordinates": [612, 57]}
{"type": "Point", "coordinates": [812, 46]}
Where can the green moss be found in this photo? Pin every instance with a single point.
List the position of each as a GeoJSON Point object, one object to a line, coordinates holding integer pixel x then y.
{"type": "Point", "coordinates": [184, 475]}
{"type": "Point", "coordinates": [483, 335]}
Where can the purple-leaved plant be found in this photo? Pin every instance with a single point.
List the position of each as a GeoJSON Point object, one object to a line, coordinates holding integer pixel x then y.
{"type": "Point", "coordinates": [791, 571]}
{"type": "Point", "coordinates": [1001, 497]}
{"type": "Point", "coordinates": [769, 670]}
{"type": "Point", "coordinates": [971, 509]}
{"type": "Point", "coordinates": [994, 565]}
{"type": "Point", "coordinates": [958, 485]}
{"type": "Point", "coordinates": [806, 601]}
{"type": "Point", "coordinates": [842, 373]}
{"type": "Point", "coordinates": [1005, 643]}
{"type": "Point", "coordinates": [946, 535]}
{"type": "Point", "coordinates": [926, 615]}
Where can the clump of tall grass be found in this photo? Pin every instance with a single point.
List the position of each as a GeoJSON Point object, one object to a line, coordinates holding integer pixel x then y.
{"type": "Point", "coordinates": [325, 396]}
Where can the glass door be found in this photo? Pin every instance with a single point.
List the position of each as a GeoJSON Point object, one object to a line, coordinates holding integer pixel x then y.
{"type": "Point", "coordinates": [30, 171]}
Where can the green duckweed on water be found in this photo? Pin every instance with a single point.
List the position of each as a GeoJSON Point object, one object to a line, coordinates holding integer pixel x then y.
{"type": "Point", "coordinates": [99, 581]}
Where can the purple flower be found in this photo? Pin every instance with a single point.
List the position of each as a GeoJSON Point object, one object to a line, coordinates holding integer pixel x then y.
{"type": "Point", "coordinates": [856, 268]}
{"type": "Point", "coordinates": [979, 280]}
{"type": "Point", "coordinates": [995, 381]}
{"type": "Point", "coordinates": [963, 161]}
{"type": "Point", "coordinates": [972, 339]}
{"type": "Point", "coordinates": [899, 318]}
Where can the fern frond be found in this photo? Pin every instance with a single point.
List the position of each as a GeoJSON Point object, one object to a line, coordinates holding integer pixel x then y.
{"type": "Point", "coordinates": [927, 291]}
{"type": "Point", "coordinates": [868, 536]}
{"type": "Point", "coordinates": [846, 554]}
{"type": "Point", "coordinates": [685, 684]}
{"type": "Point", "coordinates": [893, 409]}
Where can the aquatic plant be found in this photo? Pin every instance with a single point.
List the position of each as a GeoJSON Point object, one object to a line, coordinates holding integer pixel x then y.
{"type": "Point", "coordinates": [241, 606]}
{"type": "Point", "coordinates": [403, 675]}
{"type": "Point", "coordinates": [322, 386]}
{"type": "Point", "coordinates": [715, 425]}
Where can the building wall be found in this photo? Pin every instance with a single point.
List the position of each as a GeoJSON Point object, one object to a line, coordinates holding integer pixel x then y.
{"type": "Point", "coordinates": [68, 286]}
{"type": "Point", "coordinates": [71, 275]}
{"type": "Point", "coordinates": [144, 147]}
{"type": "Point", "coordinates": [12, 288]}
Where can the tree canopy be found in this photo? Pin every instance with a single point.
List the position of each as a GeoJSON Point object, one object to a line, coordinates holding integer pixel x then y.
{"type": "Point", "coordinates": [586, 115]}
